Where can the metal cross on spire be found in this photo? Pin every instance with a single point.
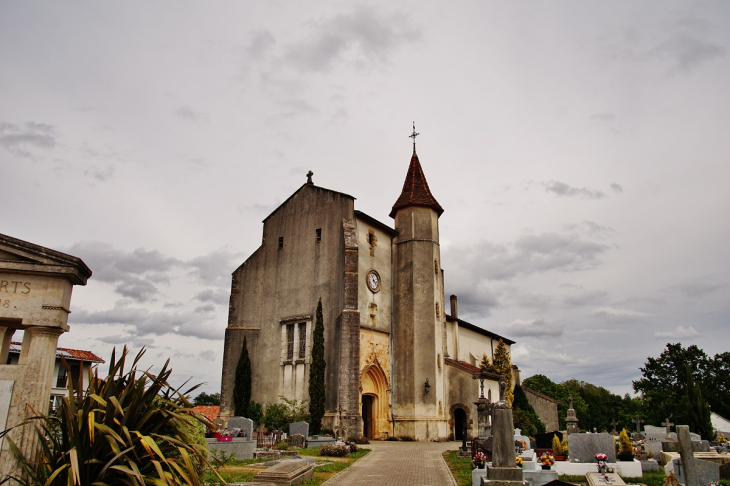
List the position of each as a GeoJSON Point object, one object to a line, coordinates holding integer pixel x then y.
{"type": "Point", "coordinates": [413, 136]}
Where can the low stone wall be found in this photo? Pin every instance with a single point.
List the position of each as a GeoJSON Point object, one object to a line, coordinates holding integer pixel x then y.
{"type": "Point", "coordinates": [243, 448]}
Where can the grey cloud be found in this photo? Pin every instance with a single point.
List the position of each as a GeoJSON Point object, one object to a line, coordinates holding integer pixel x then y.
{"type": "Point", "coordinates": [581, 299]}
{"type": "Point", "coordinates": [687, 51]}
{"type": "Point", "coordinates": [19, 140]}
{"type": "Point", "coordinates": [563, 189]}
{"type": "Point", "coordinates": [208, 355]}
{"type": "Point", "coordinates": [100, 172]}
{"type": "Point", "coordinates": [591, 229]}
{"type": "Point", "coordinates": [529, 254]}
{"type": "Point", "coordinates": [134, 273]}
{"type": "Point", "coordinates": [219, 296]}
{"type": "Point", "coordinates": [536, 327]}
{"type": "Point", "coordinates": [615, 187]}
{"type": "Point", "coordinates": [187, 113]}
{"type": "Point", "coordinates": [362, 37]}
{"type": "Point", "coordinates": [679, 332]}
{"type": "Point", "coordinates": [262, 41]}
{"type": "Point", "coordinates": [615, 315]}
{"type": "Point", "coordinates": [604, 116]}
{"type": "Point", "coordinates": [295, 107]}
{"type": "Point", "coordinates": [204, 309]}
{"type": "Point", "coordinates": [145, 322]}
{"type": "Point", "coordinates": [696, 288]}
{"type": "Point", "coordinates": [216, 267]}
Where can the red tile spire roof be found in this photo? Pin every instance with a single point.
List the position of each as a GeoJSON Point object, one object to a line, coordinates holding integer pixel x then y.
{"type": "Point", "coordinates": [415, 190]}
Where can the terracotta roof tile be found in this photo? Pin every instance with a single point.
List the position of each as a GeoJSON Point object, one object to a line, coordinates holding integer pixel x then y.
{"type": "Point", "coordinates": [210, 412]}
{"type": "Point", "coordinates": [415, 190]}
{"type": "Point", "coordinates": [66, 353]}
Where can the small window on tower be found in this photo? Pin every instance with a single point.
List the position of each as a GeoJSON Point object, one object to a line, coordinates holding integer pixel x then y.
{"type": "Point", "coordinates": [290, 342]}
{"type": "Point", "coordinates": [438, 313]}
{"type": "Point", "coordinates": [436, 267]}
{"type": "Point", "coordinates": [281, 242]}
{"type": "Point", "coordinates": [319, 234]}
{"type": "Point", "coordinates": [372, 242]}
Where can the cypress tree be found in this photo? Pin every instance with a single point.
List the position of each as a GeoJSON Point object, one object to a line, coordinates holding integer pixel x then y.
{"type": "Point", "coordinates": [525, 417]}
{"type": "Point", "coordinates": [698, 410]}
{"type": "Point", "coordinates": [316, 373]}
{"type": "Point", "coordinates": [242, 383]}
{"type": "Point", "coordinates": [502, 365]}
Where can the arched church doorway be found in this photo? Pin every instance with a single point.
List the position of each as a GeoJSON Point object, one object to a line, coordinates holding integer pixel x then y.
{"type": "Point", "coordinates": [459, 423]}
{"type": "Point", "coordinates": [367, 415]}
{"type": "Point", "coordinates": [374, 399]}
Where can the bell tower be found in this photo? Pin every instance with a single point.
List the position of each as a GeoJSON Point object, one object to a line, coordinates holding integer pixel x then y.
{"type": "Point", "coordinates": [418, 310]}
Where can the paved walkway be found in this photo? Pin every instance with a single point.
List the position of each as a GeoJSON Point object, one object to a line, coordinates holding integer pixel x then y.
{"type": "Point", "coordinates": [399, 464]}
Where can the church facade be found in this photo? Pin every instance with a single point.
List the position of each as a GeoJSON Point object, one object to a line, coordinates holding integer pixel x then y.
{"type": "Point", "coordinates": [398, 364]}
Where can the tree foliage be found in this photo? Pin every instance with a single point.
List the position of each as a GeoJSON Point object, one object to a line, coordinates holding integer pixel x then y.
{"type": "Point", "coordinates": [317, 392]}
{"type": "Point", "coordinates": [129, 428]}
{"type": "Point", "coordinates": [206, 399]}
{"type": "Point", "coordinates": [669, 379]}
{"type": "Point", "coordinates": [278, 416]}
{"type": "Point", "coordinates": [242, 383]}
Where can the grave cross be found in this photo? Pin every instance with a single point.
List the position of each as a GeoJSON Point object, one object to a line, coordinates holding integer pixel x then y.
{"type": "Point", "coordinates": [668, 425]}
{"type": "Point", "coordinates": [481, 377]}
{"type": "Point", "coordinates": [570, 401]}
{"type": "Point", "coordinates": [339, 421]}
{"type": "Point", "coordinates": [638, 421]}
{"type": "Point", "coordinates": [614, 431]}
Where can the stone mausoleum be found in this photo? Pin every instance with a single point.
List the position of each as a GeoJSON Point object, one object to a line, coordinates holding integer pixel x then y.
{"type": "Point", "coordinates": [35, 297]}
{"type": "Point", "coordinates": [398, 362]}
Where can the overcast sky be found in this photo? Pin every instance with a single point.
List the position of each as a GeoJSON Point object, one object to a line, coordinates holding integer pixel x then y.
{"type": "Point", "coordinates": [579, 149]}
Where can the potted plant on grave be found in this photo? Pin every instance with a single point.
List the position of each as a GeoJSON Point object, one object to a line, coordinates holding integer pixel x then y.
{"type": "Point", "coordinates": [557, 449]}
{"type": "Point", "coordinates": [625, 447]}
{"type": "Point", "coordinates": [479, 460]}
{"type": "Point", "coordinates": [601, 459]}
{"type": "Point", "coordinates": [564, 446]}
{"type": "Point", "coordinates": [547, 460]}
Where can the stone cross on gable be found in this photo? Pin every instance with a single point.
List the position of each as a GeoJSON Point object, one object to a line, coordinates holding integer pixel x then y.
{"type": "Point", "coordinates": [309, 177]}
{"type": "Point", "coordinates": [638, 421]}
{"type": "Point", "coordinates": [668, 425]}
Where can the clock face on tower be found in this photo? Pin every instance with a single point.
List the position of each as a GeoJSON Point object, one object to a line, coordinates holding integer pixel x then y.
{"type": "Point", "coordinates": [373, 281]}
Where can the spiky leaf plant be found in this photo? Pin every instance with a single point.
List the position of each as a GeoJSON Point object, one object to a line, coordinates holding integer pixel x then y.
{"type": "Point", "coordinates": [130, 428]}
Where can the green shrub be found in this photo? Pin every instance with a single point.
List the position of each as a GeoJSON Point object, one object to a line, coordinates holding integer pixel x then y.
{"type": "Point", "coordinates": [282, 445]}
{"type": "Point", "coordinates": [129, 428]}
{"type": "Point", "coordinates": [358, 440]}
{"type": "Point", "coordinates": [625, 445]}
{"type": "Point", "coordinates": [334, 450]}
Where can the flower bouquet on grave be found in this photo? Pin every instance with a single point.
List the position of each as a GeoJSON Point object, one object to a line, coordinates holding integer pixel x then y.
{"type": "Point", "coordinates": [519, 462]}
{"type": "Point", "coordinates": [479, 460]}
{"type": "Point", "coordinates": [547, 460]}
{"type": "Point", "coordinates": [601, 459]}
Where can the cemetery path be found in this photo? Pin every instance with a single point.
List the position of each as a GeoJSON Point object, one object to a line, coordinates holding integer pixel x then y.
{"type": "Point", "coordinates": [398, 464]}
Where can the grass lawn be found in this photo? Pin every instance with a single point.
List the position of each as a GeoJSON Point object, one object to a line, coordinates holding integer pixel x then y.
{"type": "Point", "coordinates": [242, 471]}
{"type": "Point", "coordinates": [460, 467]}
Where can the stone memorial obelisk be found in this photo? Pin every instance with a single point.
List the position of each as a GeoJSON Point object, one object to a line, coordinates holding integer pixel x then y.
{"type": "Point", "coordinates": [503, 471]}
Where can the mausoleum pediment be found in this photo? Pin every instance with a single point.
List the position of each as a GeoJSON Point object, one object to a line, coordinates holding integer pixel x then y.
{"type": "Point", "coordinates": [22, 257]}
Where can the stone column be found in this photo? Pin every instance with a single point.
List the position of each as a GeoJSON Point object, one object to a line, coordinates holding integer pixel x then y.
{"type": "Point", "coordinates": [38, 359]}
{"type": "Point", "coordinates": [503, 471]}
{"type": "Point", "coordinates": [686, 452]}
{"type": "Point", "coordinates": [6, 336]}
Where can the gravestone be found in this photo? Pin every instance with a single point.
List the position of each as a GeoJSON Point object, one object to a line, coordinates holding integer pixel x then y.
{"type": "Point", "coordinates": [296, 440]}
{"type": "Point", "coordinates": [706, 472]}
{"type": "Point", "coordinates": [688, 459]}
{"type": "Point", "coordinates": [545, 441]}
{"type": "Point", "coordinates": [725, 471]}
{"type": "Point", "coordinates": [571, 420]}
{"type": "Point", "coordinates": [584, 447]}
{"type": "Point", "coordinates": [522, 438]}
{"type": "Point", "coordinates": [299, 428]}
{"type": "Point", "coordinates": [503, 471]}
{"type": "Point", "coordinates": [243, 423]}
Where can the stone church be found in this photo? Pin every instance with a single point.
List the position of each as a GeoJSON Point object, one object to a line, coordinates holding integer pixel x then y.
{"type": "Point", "coordinates": [398, 364]}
